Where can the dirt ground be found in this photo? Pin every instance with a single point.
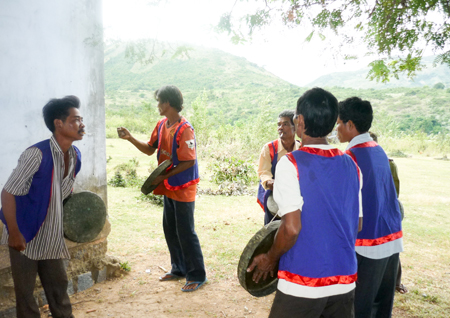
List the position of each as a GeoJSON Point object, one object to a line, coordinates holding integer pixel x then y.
{"type": "Point", "coordinates": [140, 294]}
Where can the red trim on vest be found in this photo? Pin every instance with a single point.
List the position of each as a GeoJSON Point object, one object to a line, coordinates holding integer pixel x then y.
{"type": "Point", "coordinates": [181, 130]}
{"type": "Point", "coordinates": [316, 282]}
{"type": "Point", "coordinates": [367, 144]}
{"type": "Point", "coordinates": [272, 150]}
{"type": "Point", "coordinates": [292, 159]}
{"type": "Point", "coordinates": [321, 152]}
{"type": "Point", "coordinates": [260, 204]}
{"type": "Point", "coordinates": [380, 240]}
{"type": "Point", "coordinates": [183, 186]}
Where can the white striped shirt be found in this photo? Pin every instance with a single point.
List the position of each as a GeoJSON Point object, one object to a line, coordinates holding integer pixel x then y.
{"type": "Point", "coordinates": [49, 241]}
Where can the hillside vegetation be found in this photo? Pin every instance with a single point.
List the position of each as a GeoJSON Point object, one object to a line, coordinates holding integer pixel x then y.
{"type": "Point", "coordinates": [230, 100]}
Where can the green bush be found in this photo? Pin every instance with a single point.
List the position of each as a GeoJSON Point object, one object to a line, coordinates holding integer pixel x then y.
{"type": "Point", "coordinates": [125, 175]}
{"type": "Point", "coordinates": [232, 170]}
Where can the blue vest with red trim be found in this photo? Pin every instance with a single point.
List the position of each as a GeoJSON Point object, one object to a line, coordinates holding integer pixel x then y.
{"type": "Point", "coordinates": [31, 209]}
{"type": "Point", "coordinates": [187, 177]}
{"type": "Point", "coordinates": [324, 253]}
{"type": "Point", "coordinates": [382, 217]}
{"type": "Point", "coordinates": [263, 194]}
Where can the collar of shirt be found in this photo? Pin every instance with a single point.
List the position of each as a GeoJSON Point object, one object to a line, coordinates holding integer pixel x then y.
{"type": "Point", "coordinates": [362, 138]}
{"type": "Point", "coordinates": [322, 146]}
{"type": "Point", "coordinates": [281, 148]}
{"type": "Point", "coordinates": [58, 149]}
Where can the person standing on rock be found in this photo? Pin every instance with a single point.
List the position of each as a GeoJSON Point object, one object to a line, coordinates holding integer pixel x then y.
{"type": "Point", "coordinates": [32, 209]}
{"type": "Point", "coordinates": [173, 138]}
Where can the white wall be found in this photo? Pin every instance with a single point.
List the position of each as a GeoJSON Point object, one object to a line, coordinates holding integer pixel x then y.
{"type": "Point", "coordinates": [50, 49]}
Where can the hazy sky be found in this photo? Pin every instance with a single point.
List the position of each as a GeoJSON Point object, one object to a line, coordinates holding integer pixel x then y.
{"type": "Point", "coordinates": [280, 50]}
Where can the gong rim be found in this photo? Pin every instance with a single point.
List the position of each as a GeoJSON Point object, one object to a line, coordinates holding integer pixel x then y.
{"type": "Point", "coordinates": [148, 187]}
{"type": "Point", "coordinates": [258, 244]}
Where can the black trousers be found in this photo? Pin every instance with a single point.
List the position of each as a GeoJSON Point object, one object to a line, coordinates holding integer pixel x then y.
{"type": "Point", "coordinates": [185, 252]}
{"type": "Point", "coordinates": [337, 306]}
{"type": "Point", "coordinates": [53, 277]}
{"type": "Point", "coordinates": [375, 287]}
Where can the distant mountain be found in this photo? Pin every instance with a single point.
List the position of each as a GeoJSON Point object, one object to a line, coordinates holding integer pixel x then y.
{"type": "Point", "coordinates": [429, 76]}
{"type": "Point", "coordinates": [234, 86]}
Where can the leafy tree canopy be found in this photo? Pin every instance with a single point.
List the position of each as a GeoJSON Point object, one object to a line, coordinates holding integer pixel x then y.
{"type": "Point", "coordinates": [397, 31]}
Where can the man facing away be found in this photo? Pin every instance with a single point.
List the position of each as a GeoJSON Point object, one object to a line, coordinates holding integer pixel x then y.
{"type": "Point", "coordinates": [318, 191]}
{"type": "Point", "coordinates": [32, 208]}
{"type": "Point", "coordinates": [380, 240]}
{"type": "Point", "coordinates": [173, 138]}
{"type": "Point", "coordinates": [271, 153]}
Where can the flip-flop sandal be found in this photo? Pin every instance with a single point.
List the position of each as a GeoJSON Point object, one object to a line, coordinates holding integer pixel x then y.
{"type": "Point", "coordinates": [199, 284]}
{"type": "Point", "coordinates": [169, 276]}
{"type": "Point", "coordinates": [401, 289]}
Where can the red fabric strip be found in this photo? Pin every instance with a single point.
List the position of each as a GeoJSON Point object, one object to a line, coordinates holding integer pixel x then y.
{"type": "Point", "coordinates": [260, 204]}
{"type": "Point", "coordinates": [321, 152]}
{"type": "Point", "coordinates": [367, 144]}
{"type": "Point", "coordinates": [380, 240]}
{"type": "Point", "coordinates": [316, 282]}
{"type": "Point", "coordinates": [292, 159]}
{"type": "Point", "coordinates": [187, 184]}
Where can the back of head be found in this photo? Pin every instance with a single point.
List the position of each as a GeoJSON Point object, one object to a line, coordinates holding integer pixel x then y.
{"type": "Point", "coordinates": [358, 111]}
{"type": "Point", "coordinates": [170, 94]}
{"type": "Point", "coordinates": [320, 110]}
{"type": "Point", "coordinates": [58, 108]}
{"type": "Point", "coordinates": [289, 114]}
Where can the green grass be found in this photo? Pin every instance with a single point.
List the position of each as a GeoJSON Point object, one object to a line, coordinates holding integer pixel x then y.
{"type": "Point", "coordinates": [225, 225]}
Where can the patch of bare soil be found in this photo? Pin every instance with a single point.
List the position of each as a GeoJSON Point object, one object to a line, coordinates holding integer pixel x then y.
{"type": "Point", "coordinates": [139, 293]}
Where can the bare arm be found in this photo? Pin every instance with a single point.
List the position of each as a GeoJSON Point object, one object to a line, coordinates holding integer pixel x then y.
{"type": "Point", "coordinates": [284, 240]}
{"type": "Point", "coordinates": [360, 225]}
{"type": "Point", "coordinates": [143, 146]}
{"type": "Point", "coordinates": [16, 239]}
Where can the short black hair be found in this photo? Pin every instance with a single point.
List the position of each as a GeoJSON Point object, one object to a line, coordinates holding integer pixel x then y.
{"type": "Point", "coordinates": [288, 113]}
{"type": "Point", "coordinates": [320, 110]}
{"type": "Point", "coordinates": [358, 111]}
{"type": "Point", "coordinates": [58, 108]}
{"type": "Point", "coordinates": [171, 94]}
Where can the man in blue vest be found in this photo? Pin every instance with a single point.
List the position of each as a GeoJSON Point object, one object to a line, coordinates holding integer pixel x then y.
{"type": "Point", "coordinates": [318, 190]}
{"type": "Point", "coordinates": [380, 240]}
{"type": "Point", "coordinates": [271, 153]}
{"type": "Point", "coordinates": [173, 138]}
{"type": "Point", "coordinates": [32, 210]}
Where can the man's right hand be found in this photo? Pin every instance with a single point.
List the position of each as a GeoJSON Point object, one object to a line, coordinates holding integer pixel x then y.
{"type": "Point", "coordinates": [123, 133]}
{"type": "Point", "coordinates": [17, 241]}
{"type": "Point", "coordinates": [269, 184]}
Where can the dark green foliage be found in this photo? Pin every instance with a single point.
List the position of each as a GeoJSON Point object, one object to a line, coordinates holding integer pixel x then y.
{"type": "Point", "coordinates": [125, 175]}
{"type": "Point", "coordinates": [439, 86]}
{"type": "Point", "coordinates": [233, 170]}
{"type": "Point", "coordinates": [152, 198]}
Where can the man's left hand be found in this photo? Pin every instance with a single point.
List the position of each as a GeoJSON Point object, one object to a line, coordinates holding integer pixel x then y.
{"type": "Point", "coordinates": [264, 265]}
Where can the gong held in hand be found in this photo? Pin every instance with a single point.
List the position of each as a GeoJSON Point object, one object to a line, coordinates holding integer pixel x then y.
{"type": "Point", "coordinates": [260, 243]}
{"type": "Point", "coordinates": [148, 187]}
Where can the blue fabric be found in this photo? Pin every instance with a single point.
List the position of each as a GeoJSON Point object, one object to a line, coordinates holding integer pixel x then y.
{"type": "Point", "coordinates": [183, 178]}
{"type": "Point", "coordinates": [380, 206]}
{"type": "Point", "coordinates": [330, 216]}
{"type": "Point", "coordinates": [31, 209]}
{"type": "Point", "coordinates": [263, 194]}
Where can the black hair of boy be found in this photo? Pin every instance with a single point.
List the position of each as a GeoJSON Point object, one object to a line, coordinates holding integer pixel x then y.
{"type": "Point", "coordinates": [170, 94]}
{"type": "Point", "coordinates": [320, 110]}
{"type": "Point", "coordinates": [58, 108]}
{"type": "Point", "coordinates": [358, 111]}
